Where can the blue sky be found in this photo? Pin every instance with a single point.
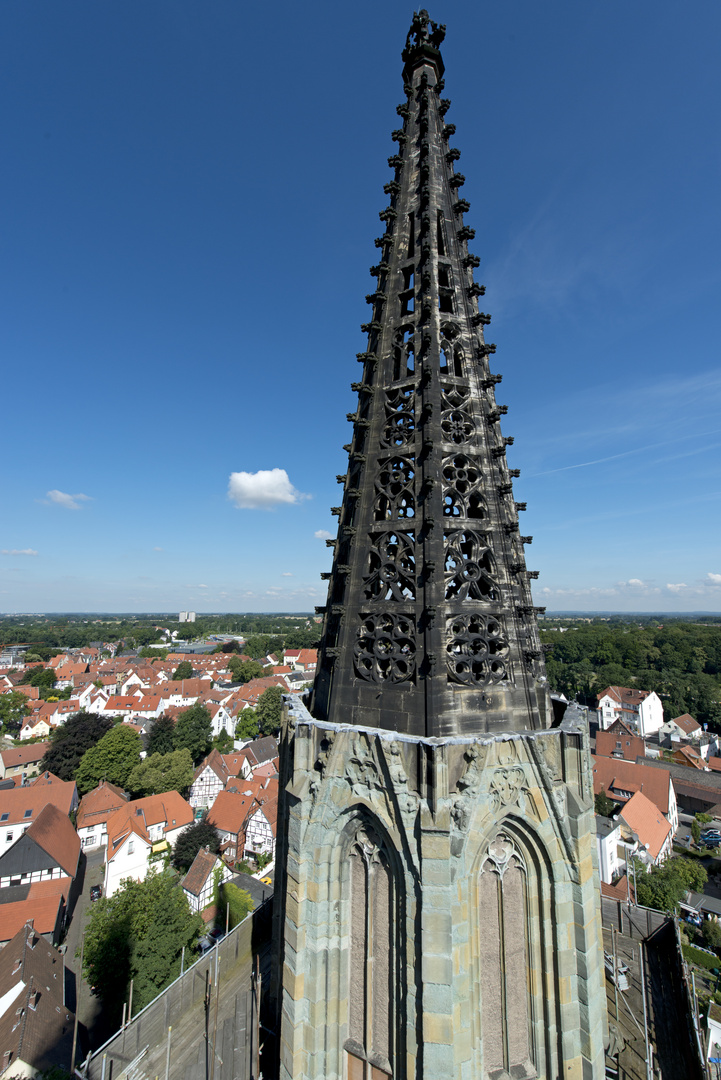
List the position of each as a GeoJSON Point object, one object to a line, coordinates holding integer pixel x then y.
{"type": "Point", "coordinates": [190, 195]}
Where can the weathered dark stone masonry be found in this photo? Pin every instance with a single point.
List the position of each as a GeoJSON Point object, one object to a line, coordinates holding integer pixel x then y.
{"type": "Point", "coordinates": [437, 893]}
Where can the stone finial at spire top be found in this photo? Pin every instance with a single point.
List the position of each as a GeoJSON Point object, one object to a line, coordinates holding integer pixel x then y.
{"type": "Point", "coordinates": [423, 40]}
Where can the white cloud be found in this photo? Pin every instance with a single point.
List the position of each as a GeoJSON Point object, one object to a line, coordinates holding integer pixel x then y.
{"type": "Point", "coordinates": [286, 573]}
{"type": "Point", "coordinates": [714, 579]}
{"type": "Point", "coordinates": [677, 588]}
{"type": "Point", "coordinates": [322, 534]}
{"type": "Point", "coordinates": [70, 502]}
{"type": "Point", "coordinates": [635, 581]}
{"type": "Point", "coordinates": [158, 549]}
{"type": "Point", "coordinates": [262, 490]}
{"type": "Point", "coordinates": [18, 551]}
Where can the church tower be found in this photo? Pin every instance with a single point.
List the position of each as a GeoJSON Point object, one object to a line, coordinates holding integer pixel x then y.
{"type": "Point", "coordinates": [437, 897]}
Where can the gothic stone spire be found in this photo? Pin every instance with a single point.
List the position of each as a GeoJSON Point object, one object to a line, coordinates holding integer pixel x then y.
{"type": "Point", "coordinates": [430, 627]}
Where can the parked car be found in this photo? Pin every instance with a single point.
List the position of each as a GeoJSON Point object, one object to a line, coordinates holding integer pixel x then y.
{"type": "Point", "coordinates": [96, 891]}
{"type": "Point", "coordinates": [204, 945]}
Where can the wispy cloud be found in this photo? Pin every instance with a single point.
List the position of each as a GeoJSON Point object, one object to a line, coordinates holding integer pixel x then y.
{"type": "Point", "coordinates": [638, 450]}
{"type": "Point", "coordinates": [286, 573]}
{"type": "Point", "coordinates": [158, 549]}
{"type": "Point", "coordinates": [263, 490]}
{"type": "Point", "coordinates": [322, 534]}
{"type": "Point", "coordinates": [18, 551]}
{"type": "Point", "coordinates": [677, 588]}
{"type": "Point", "coordinates": [713, 579]}
{"type": "Point", "coordinates": [69, 502]}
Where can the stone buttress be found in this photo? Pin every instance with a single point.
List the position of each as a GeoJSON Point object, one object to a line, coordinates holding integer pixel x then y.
{"type": "Point", "coordinates": [436, 891]}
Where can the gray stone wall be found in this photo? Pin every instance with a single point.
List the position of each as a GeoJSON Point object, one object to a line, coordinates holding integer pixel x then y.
{"type": "Point", "coordinates": [494, 940]}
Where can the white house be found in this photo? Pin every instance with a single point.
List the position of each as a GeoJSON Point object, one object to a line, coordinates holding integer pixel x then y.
{"type": "Point", "coordinates": [140, 830]}
{"type": "Point", "coordinates": [682, 727]}
{"type": "Point", "coordinates": [640, 709]}
{"type": "Point", "coordinates": [611, 850]}
{"type": "Point", "coordinates": [199, 882]}
{"type": "Point", "coordinates": [209, 781]}
{"type": "Point", "coordinates": [95, 810]}
{"type": "Point", "coordinates": [129, 851]}
{"type": "Point", "coordinates": [260, 832]}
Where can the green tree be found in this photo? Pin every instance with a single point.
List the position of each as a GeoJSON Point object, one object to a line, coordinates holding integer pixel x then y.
{"type": "Point", "coordinates": [247, 726]}
{"type": "Point", "coordinates": [712, 934]}
{"type": "Point", "coordinates": [71, 740]}
{"type": "Point", "coordinates": [223, 742]}
{"type": "Point", "coordinates": [239, 904]}
{"type": "Point", "coordinates": [663, 887]}
{"type": "Point", "coordinates": [153, 654]}
{"type": "Point", "coordinates": [270, 710]}
{"type": "Point", "coordinates": [42, 677]}
{"type": "Point", "coordinates": [229, 647]}
{"type": "Point", "coordinates": [162, 772]}
{"type": "Point", "coordinates": [245, 670]}
{"type": "Point", "coordinates": [184, 670]}
{"type": "Point", "coordinates": [194, 731]}
{"type": "Point", "coordinates": [138, 933]}
{"type": "Point", "coordinates": [696, 831]}
{"type": "Point", "coordinates": [160, 740]}
{"type": "Point", "coordinates": [14, 707]}
{"type": "Point", "coordinates": [198, 835]}
{"type": "Point", "coordinates": [113, 759]}
{"type": "Point", "coordinates": [604, 806]}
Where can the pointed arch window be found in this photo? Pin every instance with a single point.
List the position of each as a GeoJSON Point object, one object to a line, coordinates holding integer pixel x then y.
{"type": "Point", "coordinates": [505, 999]}
{"type": "Point", "coordinates": [370, 1049]}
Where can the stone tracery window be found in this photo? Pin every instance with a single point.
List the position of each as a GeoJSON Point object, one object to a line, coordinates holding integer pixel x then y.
{"type": "Point", "coordinates": [505, 949]}
{"type": "Point", "coordinates": [370, 1046]}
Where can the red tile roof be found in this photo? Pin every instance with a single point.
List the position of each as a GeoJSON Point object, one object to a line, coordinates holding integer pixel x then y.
{"type": "Point", "coordinates": [53, 831]}
{"type": "Point", "coordinates": [100, 803]}
{"type": "Point", "coordinates": [647, 822]}
{"type": "Point", "coordinates": [169, 809]}
{"type": "Point", "coordinates": [625, 695]}
{"type": "Point", "coordinates": [44, 912]}
{"type": "Point", "coordinates": [687, 723]}
{"type": "Point", "coordinates": [203, 866]}
{"type": "Point", "coordinates": [230, 811]}
{"type": "Point", "coordinates": [16, 801]}
{"type": "Point", "coordinates": [619, 891]}
{"type": "Point", "coordinates": [613, 775]}
{"type": "Point", "coordinates": [24, 755]}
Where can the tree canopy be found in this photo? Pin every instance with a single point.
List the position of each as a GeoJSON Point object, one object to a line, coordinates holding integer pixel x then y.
{"type": "Point", "coordinates": [113, 758]}
{"type": "Point", "coordinates": [663, 887]}
{"type": "Point", "coordinates": [139, 934]}
{"type": "Point", "coordinates": [184, 670]}
{"type": "Point", "coordinates": [245, 670]}
{"type": "Point", "coordinates": [41, 677]}
{"type": "Point", "coordinates": [160, 740]}
{"type": "Point", "coordinates": [162, 772]}
{"type": "Point", "coordinates": [194, 731]}
{"type": "Point", "coordinates": [238, 901]}
{"type": "Point", "coordinates": [247, 726]}
{"type": "Point", "coordinates": [680, 660]}
{"type": "Point", "coordinates": [604, 806]}
{"type": "Point", "coordinates": [269, 710]}
{"type": "Point", "coordinates": [196, 836]}
{"type": "Point", "coordinates": [14, 707]}
{"type": "Point", "coordinates": [71, 740]}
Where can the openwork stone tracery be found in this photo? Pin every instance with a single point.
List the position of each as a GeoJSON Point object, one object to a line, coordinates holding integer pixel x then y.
{"type": "Point", "coordinates": [426, 453]}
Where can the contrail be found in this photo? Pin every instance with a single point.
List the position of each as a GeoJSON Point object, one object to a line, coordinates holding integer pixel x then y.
{"type": "Point", "coordinates": [626, 453]}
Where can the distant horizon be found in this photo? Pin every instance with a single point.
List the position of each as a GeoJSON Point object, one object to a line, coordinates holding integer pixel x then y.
{"type": "Point", "coordinates": [560, 613]}
{"type": "Point", "coordinates": [187, 259]}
